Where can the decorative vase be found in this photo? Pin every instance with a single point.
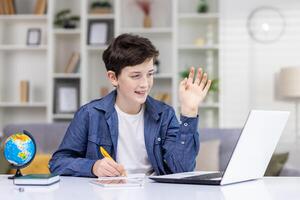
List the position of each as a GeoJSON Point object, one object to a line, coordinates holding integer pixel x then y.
{"type": "Point", "coordinates": [147, 21]}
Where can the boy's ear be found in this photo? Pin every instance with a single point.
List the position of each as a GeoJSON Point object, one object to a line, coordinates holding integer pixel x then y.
{"type": "Point", "coordinates": [112, 78]}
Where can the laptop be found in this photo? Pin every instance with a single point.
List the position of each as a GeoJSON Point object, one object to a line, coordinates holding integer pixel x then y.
{"type": "Point", "coordinates": [250, 156]}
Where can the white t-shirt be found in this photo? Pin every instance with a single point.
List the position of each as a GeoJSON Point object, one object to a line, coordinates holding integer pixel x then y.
{"type": "Point", "coordinates": [132, 152]}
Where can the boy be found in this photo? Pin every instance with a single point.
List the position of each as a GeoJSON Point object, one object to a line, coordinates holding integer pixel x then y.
{"type": "Point", "coordinates": [141, 134]}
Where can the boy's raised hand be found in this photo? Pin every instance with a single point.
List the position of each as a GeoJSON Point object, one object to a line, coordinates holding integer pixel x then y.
{"type": "Point", "coordinates": [192, 92]}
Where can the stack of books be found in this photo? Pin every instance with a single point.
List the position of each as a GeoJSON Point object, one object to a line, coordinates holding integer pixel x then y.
{"type": "Point", "coordinates": [40, 7]}
{"type": "Point", "coordinates": [37, 179]}
{"type": "Point", "coordinates": [8, 7]}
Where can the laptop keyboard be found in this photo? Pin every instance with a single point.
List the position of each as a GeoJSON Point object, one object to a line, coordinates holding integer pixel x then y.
{"type": "Point", "coordinates": [205, 176]}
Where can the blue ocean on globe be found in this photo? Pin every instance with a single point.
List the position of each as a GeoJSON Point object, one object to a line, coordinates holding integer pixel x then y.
{"type": "Point", "coordinates": [19, 149]}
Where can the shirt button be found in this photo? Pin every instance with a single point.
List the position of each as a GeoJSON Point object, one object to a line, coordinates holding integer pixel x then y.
{"type": "Point", "coordinates": [185, 124]}
{"type": "Point", "coordinates": [182, 142]}
{"type": "Point", "coordinates": [159, 139]}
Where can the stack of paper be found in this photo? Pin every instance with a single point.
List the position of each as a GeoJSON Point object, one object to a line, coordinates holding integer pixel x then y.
{"type": "Point", "coordinates": [135, 180]}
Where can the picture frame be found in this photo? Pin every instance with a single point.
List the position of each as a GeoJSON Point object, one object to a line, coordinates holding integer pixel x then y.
{"type": "Point", "coordinates": [67, 97]}
{"type": "Point", "coordinates": [100, 32]}
{"type": "Point", "coordinates": [33, 36]}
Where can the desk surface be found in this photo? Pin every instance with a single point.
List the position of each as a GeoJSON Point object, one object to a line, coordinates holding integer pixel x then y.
{"type": "Point", "coordinates": [80, 188]}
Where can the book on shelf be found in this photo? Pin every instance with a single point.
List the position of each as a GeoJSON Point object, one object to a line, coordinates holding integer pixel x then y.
{"type": "Point", "coordinates": [73, 63]}
{"type": "Point", "coordinates": [24, 91]}
{"type": "Point", "coordinates": [37, 179]}
{"type": "Point", "coordinates": [4, 7]}
{"type": "Point", "coordinates": [11, 7]}
{"type": "Point", "coordinates": [40, 7]}
{"type": "Point", "coordinates": [1, 8]}
{"type": "Point", "coordinates": [7, 7]}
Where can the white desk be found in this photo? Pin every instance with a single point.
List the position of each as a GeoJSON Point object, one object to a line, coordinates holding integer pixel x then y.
{"type": "Point", "coordinates": [79, 188]}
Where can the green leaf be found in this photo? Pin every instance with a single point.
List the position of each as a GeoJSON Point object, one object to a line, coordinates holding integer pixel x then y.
{"type": "Point", "coordinates": [62, 13]}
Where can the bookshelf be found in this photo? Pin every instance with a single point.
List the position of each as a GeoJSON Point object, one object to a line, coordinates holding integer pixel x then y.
{"type": "Point", "coordinates": [198, 45]}
{"type": "Point", "coordinates": [22, 62]}
{"type": "Point", "coordinates": [175, 27]}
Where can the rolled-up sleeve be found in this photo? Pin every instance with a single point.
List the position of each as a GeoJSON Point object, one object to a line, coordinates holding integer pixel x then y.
{"type": "Point", "coordinates": [70, 159]}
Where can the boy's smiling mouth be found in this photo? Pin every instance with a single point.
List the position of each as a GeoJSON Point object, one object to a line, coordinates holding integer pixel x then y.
{"type": "Point", "coordinates": [141, 92]}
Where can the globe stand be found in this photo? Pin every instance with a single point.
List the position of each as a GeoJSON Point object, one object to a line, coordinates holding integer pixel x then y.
{"type": "Point", "coordinates": [16, 165]}
{"type": "Point", "coordinates": [17, 174]}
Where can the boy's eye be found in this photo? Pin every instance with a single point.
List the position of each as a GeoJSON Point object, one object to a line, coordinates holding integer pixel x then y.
{"type": "Point", "coordinates": [135, 76]}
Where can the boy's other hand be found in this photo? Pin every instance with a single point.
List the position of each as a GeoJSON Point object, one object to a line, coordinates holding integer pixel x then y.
{"type": "Point", "coordinates": [108, 167]}
{"type": "Point", "coordinates": [192, 92]}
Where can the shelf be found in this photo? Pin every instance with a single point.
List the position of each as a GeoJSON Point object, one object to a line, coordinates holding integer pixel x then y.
{"type": "Point", "coordinates": [13, 47]}
{"type": "Point", "coordinates": [101, 16]}
{"type": "Point", "coordinates": [66, 31]}
{"type": "Point", "coordinates": [63, 116]}
{"type": "Point", "coordinates": [22, 105]}
{"type": "Point", "coordinates": [147, 30]}
{"type": "Point", "coordinates": [198, 16]}
{"type": "Point", "coordinates": [195, 47]}
{"type": "Point", "coordinates": [163, 76]}
{"type": "Point", "coordinates": [24, 17]}
{"type": "Point", "coordinates": [208, 105]}
{"type": "Point", "coordinates": [174, 33]}
{"type": "Point", "coordinates": [96, 48]}
{"type": "Point", "coordinates": [67, 75]}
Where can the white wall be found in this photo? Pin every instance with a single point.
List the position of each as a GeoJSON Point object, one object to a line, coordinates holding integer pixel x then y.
{"type": "Point", "coordinates": [249, 68]}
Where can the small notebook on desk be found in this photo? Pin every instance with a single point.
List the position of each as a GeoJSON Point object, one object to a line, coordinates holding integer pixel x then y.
{"type": "Point", "coordinates": [121, 181]}
{"type": "Point", "coordinates": [37, 179]}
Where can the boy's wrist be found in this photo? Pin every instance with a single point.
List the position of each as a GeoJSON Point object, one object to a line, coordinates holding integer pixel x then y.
{"type": "Point", "coordinates": [189, 112]}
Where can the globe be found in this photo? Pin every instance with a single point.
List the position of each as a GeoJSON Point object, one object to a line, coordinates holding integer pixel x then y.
{"type": "Point", "coordinates": [19, 150]}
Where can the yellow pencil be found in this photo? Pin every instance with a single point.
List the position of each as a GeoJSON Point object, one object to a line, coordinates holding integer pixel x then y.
{"type": "Point", "coordinates": [104, 153]}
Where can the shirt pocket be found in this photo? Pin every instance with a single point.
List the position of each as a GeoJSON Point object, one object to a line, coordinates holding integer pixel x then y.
{"type": "Point", "coordinates": [158, 144]}
{"type": "Point", "coordinates": [94, 144]}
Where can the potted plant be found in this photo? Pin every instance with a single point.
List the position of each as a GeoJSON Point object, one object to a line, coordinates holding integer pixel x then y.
{"type": "Point", "coordinates": [202, 6]}
{"type": "Point", "coordinates": [101, 7]}
{"type": "Point", "coordinates": [64, 19]}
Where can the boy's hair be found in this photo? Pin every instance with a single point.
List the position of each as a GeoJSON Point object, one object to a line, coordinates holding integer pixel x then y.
{"type": "Point", "coordinates": [128, 50]}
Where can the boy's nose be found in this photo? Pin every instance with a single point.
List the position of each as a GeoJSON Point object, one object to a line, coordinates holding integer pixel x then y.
{"type": "Point", "coordinates": [144, 82]}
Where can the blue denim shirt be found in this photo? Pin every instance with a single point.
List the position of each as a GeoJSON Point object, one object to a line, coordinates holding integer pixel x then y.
{"type": "Point", "coordinates": [171, 146]}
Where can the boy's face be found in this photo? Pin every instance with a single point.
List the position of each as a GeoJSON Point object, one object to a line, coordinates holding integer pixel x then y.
{"type": "Point", "coordinates": [134, 83]}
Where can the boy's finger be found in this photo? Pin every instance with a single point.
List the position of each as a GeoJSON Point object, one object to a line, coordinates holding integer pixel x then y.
{"type": "Point", "coordinates": [116, 166]}
{"type": "Point", "coordinates": [199, 76]}
{"type": "Point", "coordinates": [191, 76]}
{"type": "Point", "coordinates": [122, 170]}
{"type": "Point", "coordinates": [112, 170]}
{"type": "Point", "coordinates": [182, 85]}
{"type": "Point", "coordinates": [106, 172]}
{"type": "Point", "coordinates": [203, 81]}
{"type": "Point", "coordinates": [207, 86]}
